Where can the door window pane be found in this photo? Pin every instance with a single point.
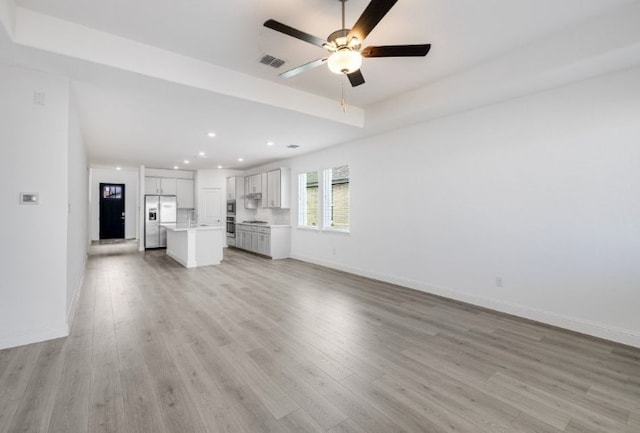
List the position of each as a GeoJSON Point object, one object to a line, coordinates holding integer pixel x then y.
{"type": "Point", "coordinates": [112, 192]}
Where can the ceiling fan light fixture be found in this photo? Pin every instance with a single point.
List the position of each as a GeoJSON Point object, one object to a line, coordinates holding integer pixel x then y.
{"type": "Point", "coordinates": [344, 61]}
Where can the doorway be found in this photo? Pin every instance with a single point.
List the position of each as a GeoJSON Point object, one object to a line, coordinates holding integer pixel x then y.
{"type": "Point", "coordinates": [112, 215]}
{"type": "Point", "coordinates": [210, 206]}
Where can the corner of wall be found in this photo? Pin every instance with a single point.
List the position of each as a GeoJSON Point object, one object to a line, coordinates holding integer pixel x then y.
{"type": "Point", "coordinates": [8, 17]}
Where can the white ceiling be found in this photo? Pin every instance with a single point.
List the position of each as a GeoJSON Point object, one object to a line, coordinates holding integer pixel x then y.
{"type": "Point", "coordinates": [130, 118]}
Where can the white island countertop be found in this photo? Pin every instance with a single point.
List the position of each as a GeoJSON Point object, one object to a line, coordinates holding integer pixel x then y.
{"type": "Point", "coordinates": [194, 245]}
{"type": "Point", "coordinates": [179, 227]}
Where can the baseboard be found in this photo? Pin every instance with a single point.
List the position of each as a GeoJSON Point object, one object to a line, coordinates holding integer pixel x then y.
{"type": "Point", "coordinates": [582, 326]}
{"type": "Point", "coordinates": [33, 337]}
{"type": "Point", "coordinates": [74, 301]}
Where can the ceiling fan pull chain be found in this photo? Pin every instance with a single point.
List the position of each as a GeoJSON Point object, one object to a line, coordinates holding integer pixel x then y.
{"type": "Point", "coordinates": [343, 103]}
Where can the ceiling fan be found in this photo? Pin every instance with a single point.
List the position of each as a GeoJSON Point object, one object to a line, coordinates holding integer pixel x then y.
{"type": "Point", "coordinates": [345, 44]}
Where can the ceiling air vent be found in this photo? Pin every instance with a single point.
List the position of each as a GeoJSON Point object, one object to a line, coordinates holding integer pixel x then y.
{"type": "Point", "coordinates": [274, 62]}
{"type": "Point", "coordinates": [293, 146]}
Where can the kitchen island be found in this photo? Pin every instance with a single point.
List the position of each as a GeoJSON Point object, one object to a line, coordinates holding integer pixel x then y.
{"type": "Point", "coordinates": [194, 245]}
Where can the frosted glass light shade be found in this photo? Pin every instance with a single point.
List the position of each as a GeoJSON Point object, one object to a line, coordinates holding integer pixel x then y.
{"type": "Point", "coordinates": [345, 61]}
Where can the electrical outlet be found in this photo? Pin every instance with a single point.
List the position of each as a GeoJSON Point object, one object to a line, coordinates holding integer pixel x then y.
{"type": "Point", "coordinates": [499, 282]}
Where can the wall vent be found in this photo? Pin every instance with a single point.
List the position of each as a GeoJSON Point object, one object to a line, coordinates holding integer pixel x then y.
{"type": "Point", "coordinates": [274, 62]}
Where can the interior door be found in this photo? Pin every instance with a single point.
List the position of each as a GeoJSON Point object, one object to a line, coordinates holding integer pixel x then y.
{"type": "Point", "coordinates": [112, 217]}
{"type": "Point", "coordinates": [210, 206]}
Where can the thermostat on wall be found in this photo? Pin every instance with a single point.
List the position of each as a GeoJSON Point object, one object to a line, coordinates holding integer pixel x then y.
{"type": "Point", "coordinates": [28, 198]}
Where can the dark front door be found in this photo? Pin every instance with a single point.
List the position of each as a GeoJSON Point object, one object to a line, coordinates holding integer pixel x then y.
{"type": "Point", "coordinates": [111, 211]}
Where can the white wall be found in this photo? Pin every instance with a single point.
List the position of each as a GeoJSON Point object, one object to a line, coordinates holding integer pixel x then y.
{"type": "Point", "coordinates": [542, 191]}
{"type": "Point", "coordinates": [127, 176]}
{"type": "Point", "coordinates": [78, 210]}
{"type": "Point", "coordinates": [33, 251]}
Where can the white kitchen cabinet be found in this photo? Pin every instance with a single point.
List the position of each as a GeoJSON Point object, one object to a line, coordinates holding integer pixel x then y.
{"type": "Point", "coordinates": [277, 194]}
{"type": "Point", "coordinates": [168, 186]}
{"type": "Point", "coordinates": [184, 193]}
{"type": "Point", "coordinates": [160, 185]}
{"type": "Point", "coordinates": [247, 238]}
{"type": "Point", "coordinates": [270, 241]}
{"type": "Point", "coordinates": [253, 184]}
{"type": "Point", "coordinates": [264, 241]}
{"type": "Point", "coordinates": [231, 188]}
{"type": "Point", "coordinates": [263, 182]}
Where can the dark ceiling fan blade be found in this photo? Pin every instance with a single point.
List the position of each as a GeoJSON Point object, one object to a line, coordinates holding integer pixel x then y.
{"type": "Point", "coordinates": [371, 16]}
{"type": "Point", "coordinates": [298, 34]}
{"type": "Point", "coordinates": [397, 51]}
{"type": "Point", "coordinates": [302, 68]}
{"type": "Point", "coordinates": [356, 78]}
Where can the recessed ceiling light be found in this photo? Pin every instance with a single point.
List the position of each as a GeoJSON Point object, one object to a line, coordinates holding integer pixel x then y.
{"type": "Point", "coordinates": [211, 134]}
{"type": "Point", "coordinates": [219, 166]}
{"type": "Point", "coordinates": [175, 167]}
{"type": "Point", "coordinates": [269, 143]}
{"type": "Point", "coordinates": [186, 161]}
{"type": "Point", "coordinates": [240, 159]}
{"type": "Point", "coordinates": [201, 153]}
{"type": "Point", "coordinates": [118, 168]}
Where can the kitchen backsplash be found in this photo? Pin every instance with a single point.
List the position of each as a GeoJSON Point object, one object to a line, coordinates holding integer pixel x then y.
{"type": "Point", "coordinates": [272, 216]}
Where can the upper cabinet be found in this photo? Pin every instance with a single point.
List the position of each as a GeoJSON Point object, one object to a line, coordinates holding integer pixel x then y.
{"type": "Point", "coordinates": [159, 185]}
{"type": "Point", "coordinates": [231, 188]}
{"type": "Point", "coordinates": [169, 186]}
{"type": "Point", "coordinates": [184, 193]}
{"type": "Point", "coordinates": [277, 195]}
{"type": "Point", "coordinates": [253, 184]}
{"type": "Point", "coordinates": [181, 188]}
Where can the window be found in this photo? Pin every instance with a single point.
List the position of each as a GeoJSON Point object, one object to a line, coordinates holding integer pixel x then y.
{"type": "Point", "coordinates": [323, 199]}
{"type": "Point", "coordinates": [336, 198]}
{"type": "Point", "coordinates": [308, 199]}
{"type": "Point", "coordinates": [112, 192]}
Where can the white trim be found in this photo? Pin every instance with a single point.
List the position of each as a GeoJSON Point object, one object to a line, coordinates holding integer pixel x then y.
{"type": "Point", "coordinates": [310, 228]}
{"type": "Point", "coordinates": [71, 312]}
{"type": "Point", "coordinates": [334, 230]}
{"type": "Point", "coordinates": [582, 326]}
{"type": "Point", "coordinates": [35, 336]}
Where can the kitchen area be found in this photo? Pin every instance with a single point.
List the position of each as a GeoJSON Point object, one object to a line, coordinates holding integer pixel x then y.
{"type": "Point", "coordinates": [258, 213]}
{"type": "Point", "coordinates": [254, 214]}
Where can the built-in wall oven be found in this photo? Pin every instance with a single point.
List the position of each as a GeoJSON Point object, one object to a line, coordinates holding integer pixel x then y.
{"type": "Point", "coordinates": [231, 223]}
{"type": "Point", "coordinates": [231, 226]}
{"type": "Point", "coordinates": [231, 230]}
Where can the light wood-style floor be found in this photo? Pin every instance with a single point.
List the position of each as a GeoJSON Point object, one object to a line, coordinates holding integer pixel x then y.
{"type": "Point", "coordinates": [255, 346]}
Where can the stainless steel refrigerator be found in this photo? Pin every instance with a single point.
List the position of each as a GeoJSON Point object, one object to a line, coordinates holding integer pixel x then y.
{"type": "Point", "coordinates": [158, 209]}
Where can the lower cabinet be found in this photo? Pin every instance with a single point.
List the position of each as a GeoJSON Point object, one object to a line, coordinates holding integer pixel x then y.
{"type": "Point", "coordinates": [268, 241]}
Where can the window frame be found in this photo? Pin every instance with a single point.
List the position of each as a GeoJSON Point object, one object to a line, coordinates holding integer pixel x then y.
{"type": "Point", "coordinates": [302, 202]}
{"type": "Point", "coordinates": [327, 198]}
{"type": "Point", "coordinates": [324, 198]}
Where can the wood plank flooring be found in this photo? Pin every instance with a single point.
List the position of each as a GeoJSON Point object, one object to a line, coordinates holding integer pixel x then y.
{"type": "Point", "coordinates": [261, 346]}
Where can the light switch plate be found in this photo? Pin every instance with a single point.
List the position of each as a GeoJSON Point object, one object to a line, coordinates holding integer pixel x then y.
{"type": "Point", "coordinates": [28, 198]}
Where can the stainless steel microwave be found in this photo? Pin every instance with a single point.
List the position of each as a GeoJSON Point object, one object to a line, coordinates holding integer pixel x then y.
{"type": "Point", "coordinates": [231, 207]}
